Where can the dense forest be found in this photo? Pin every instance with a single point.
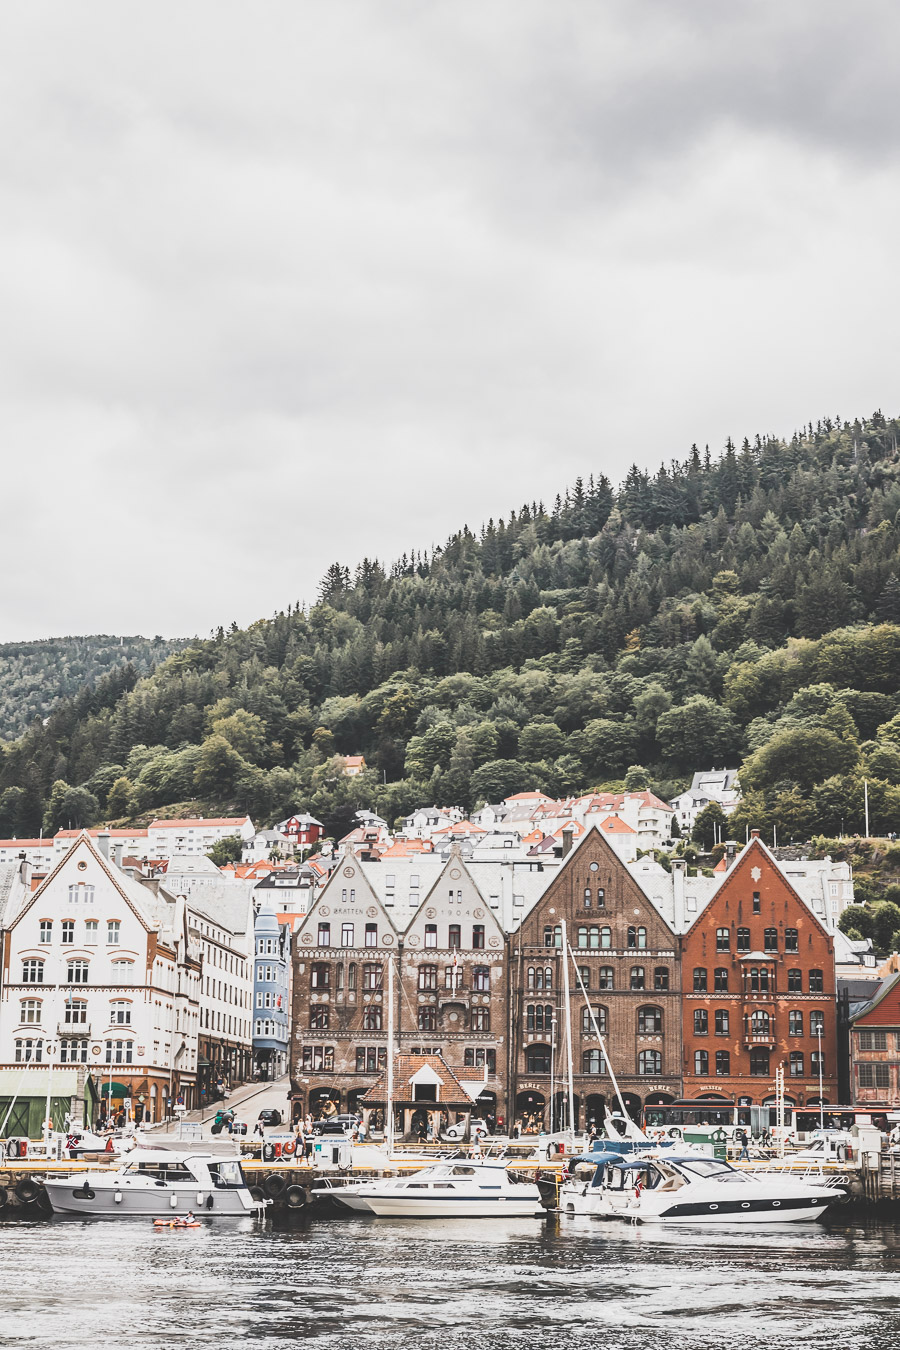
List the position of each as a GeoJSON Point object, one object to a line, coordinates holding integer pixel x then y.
{"type": "Point", "coordinates": [34, 676]}
{"type": "Point", "coordinates": [734, 609]}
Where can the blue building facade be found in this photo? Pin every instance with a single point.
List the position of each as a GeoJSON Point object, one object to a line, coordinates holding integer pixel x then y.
{"type": "Point", "coordinates": [271, 1000]}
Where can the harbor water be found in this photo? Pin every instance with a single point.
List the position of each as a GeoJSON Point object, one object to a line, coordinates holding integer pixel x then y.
{"type": "Point", "coordinates": [456, 1284]}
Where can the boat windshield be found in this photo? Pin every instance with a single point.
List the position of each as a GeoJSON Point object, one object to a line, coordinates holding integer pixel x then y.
{"type": "Point", "coordinates": [226, 1174]}
{"type": "Point", "coordinates": [712, 1168]}
{"type": "Point", "coordinates": [159, 1171]}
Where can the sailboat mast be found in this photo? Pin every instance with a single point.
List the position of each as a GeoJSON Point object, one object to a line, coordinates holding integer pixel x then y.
{"type": "Point", "coordinates": [571, 1085]}
{"type": "Point", "coordinates": [389, 1123]}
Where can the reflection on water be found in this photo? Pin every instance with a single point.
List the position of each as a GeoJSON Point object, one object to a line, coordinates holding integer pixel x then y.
{"type": "Point", "coordinates": [454, 1284]}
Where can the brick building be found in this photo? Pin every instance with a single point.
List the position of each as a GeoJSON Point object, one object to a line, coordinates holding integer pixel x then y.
{"type": "Point", "coordinates": [628, 958]}
{"type": "Point", "coordinates": [759, 990]}
{"type": "Point", "coordinates": [875, 1048]}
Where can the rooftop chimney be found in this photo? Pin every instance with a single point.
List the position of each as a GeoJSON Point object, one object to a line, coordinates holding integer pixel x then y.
{"type": "Point", "coordinates": [679, 871]}
{"type": "Point", "coordinates": [567, 835]}
{"type": "Point", "coordinates": [754, 834]}
{"type": "Point", "coordinates": [103, 843]}
{"type": "Point", "coordinates": [117, 854]}
{"type": "Point", "coordinates": [730, 851]}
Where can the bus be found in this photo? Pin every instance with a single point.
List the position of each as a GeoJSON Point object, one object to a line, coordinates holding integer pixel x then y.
{"type": "Point", "coordinates": [724, 1112]}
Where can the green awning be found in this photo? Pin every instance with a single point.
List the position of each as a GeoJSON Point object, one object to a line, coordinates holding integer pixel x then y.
{"type": "Point", "coordinates": [113, 1089]}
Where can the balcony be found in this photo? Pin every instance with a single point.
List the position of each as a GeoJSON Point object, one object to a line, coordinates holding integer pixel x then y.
{"type": "Point", "coordinates": [74, 1031]}
{"type": "Point", "coordinates": [764, 1038]}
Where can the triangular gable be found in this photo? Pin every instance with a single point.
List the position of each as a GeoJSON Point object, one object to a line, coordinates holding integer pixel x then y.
{"type": "Point", "coordinates": [474, 908]}
{"type": "Point", "coordinates": [360, 906]}
{"type": "Point", "coordinates": [889, 986]}
{"type": "Point", "coordinates": [84, 842]}
{"type": "Point", "coordinates": [426, 1074]}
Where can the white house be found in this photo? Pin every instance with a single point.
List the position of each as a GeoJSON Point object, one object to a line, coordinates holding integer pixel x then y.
{"type": "Point", "coordinates": [426, 821]}
{"type": "Point", "coordinates": [710, 785]}
{"type": "Point", "coordinates": [170, 838]}
{"type": "Point", "coordinates": [37, 852]}
{"type": "Point", "coordinates": [220, 919]}
{"type": "Point", "coordinates": [101, 987]}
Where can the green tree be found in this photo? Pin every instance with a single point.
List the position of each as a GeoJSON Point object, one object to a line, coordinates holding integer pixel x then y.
{"type": "Point", "coordinates": [541, 740]}
{"type": "Point", "coordinates": [244, 732]}
{"type": "Point", "coordinates": [699, 732]}
{"type": "Point", "coordinates": [637, 778]}
{"type": "Point", "coordinates": [498, 779]}
{"type": "Point", "coordinates": [118, 801]}
{"type": "Point", "coordinates": [219, 767]}
{"type": "Point", "coordinates": [226, 850]}
{"type": "Point", "coordinates": [800, 755]}
{"type": "Point", "coordinates": [859, 919]}
{"type": "Point", "coordinates": [709, 827]}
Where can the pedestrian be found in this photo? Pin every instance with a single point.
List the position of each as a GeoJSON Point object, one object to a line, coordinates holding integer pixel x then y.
{"type": "Point", "coordinates": [740, 1137]}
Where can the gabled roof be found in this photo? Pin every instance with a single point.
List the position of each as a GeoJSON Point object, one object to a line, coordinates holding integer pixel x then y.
{"type": "Point", "coordinates": [408, 1068]}
{"type": "Point", "coordinates": [886, 987]}
{"type": "Point", "coordinates": [615, 825]}
{"type": "Point", "coordinates": [132, 892]}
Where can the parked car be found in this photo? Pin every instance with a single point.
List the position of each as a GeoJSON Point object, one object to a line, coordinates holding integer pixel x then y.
{"type": "Point", "coordinates": [269, 1116]}
{"type": "Point", "coordinates": [456, 1132]}
{"type": "Point", "coordinates": [333, 1125]}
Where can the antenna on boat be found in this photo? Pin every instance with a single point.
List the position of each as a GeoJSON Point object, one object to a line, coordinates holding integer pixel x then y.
{"type": "Point", "coordinates": [571, 1086]}
{"type": "Point", "coordinates": [603, 1050]}
{"type": "Point", "coordinates": [389, 1123]}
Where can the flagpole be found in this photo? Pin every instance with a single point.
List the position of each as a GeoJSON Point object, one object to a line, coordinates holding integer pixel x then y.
{"type": "Point", "coordinates": [571, 1085]}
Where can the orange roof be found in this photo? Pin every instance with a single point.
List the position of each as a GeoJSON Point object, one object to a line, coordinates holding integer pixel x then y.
{"type": "Point", "coordinates": [197, 820]}
{"type": "Point", "coordinates": [354, 759]}
{"type": "Point", "coordinates": [534, 837]}
{"type": "Point", "coordinates": [402, 848]}
{"type": "Point", "coordinates": [613, 825]}
{"type": "Point", "coordinates": [721, 866]}
{"type": "Point", "coordinates": [27, 843]}
{"type": "Point", "coordinates": [460, 827]}
{"type": "Point", "coordinates": [572, 826]}
{"type": "Point", "coordinates": [113, 834]}
{"type": "Point", "coordinates": [528, 797]}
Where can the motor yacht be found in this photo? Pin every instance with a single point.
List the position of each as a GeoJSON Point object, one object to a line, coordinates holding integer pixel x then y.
{"type": "Point", "coordinates": [690, 1188]}
{"type": "Point", "coordinates": [456, 1188]}
{"type": "Point", "coordinates": [155, 1182]}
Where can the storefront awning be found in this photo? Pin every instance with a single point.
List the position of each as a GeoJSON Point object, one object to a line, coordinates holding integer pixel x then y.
{"type": "Point", "coordinates": [34, 1082]}
{"type": "Point", "coordinates": [113, 1089]}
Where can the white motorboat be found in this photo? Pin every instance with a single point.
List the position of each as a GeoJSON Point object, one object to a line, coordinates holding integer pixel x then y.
{"type": "Point", "coordinates": [689, 1188]}
{"type": "Point", "coordinates": [155, 1183]}
{"type": "Point", "coordinates": [457, 1188]}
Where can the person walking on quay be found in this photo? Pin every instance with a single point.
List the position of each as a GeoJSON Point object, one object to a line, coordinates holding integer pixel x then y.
{"type": "Point", "coordinates": [740, 1137]}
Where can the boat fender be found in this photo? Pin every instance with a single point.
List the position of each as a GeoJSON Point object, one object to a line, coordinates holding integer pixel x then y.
{"type": "Point", "coordinates": [118, 1197]}
{"type": "Point", "coordinates": [289, 1148]}
{"type": "Point", "coordinates": [4, 1197]}
{"type": "Point", "coordinates": [295, 1197]}
{"type": "Point", "coordinates": [12, 1148]}
{"type": "Point", "coordinates": [27, 1191]}
{"type": "Point", "coordinates": [274, 1184]}
{"type": "Point", "coordinates": [209, 1202]}
{"type": "Point", "coordinates": [268, 1152]}
{"type": "Point", "coordinates": [345, 1157]}
{"type": "Point", "coordinates": [257, 1193]}
{"type": "Point", "coordinates": [85, 1193]}
{"type": "Point", "coordinates": [842, 1153]}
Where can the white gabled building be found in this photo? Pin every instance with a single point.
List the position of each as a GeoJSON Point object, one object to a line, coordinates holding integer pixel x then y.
{"type": "Point", "coordinates": [711, 785]}
{"type": "Point", "coordinates": [101, 990]}
{"type": "Point", "coordinates": [176, 838]}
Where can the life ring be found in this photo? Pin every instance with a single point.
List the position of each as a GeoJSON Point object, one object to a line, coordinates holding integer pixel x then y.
{"type": "Point", "coordinates": [27, 1191]}
{"type": "Point", "coordinates": [12, 1148]}
{"type": "Point", "coordinates": [289, 1148]}
{"type": "Point", "coordinates": [295, 1197]}
{"type": "Point", "coordinates": [268, 1152]}
{"type": "Point", "coordinates": [274, 1184]}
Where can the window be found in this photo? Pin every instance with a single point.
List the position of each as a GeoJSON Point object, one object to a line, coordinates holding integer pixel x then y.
{"type": "Point", "coordinates": [80, 894]}
{"type": "Point", "coordinates": [370, 1058]}
{"type": "Point", "coordinates": [431, 935]}
{"type": "Point", "coordinates": [553, 935]}
{"type": "Point", "coordinates": [32, 972]}
{"type": "Point", "coordinates": [600, 1017]}
{"type": "Point", "coordinates": [770, 940]}
{"type": "Point", "coordinates": [77, 972]}
{"type": "Point", "coordinates": [540, 977]}
{"type": "Point", "coordinates": [68, 930]}
{"type": "Point", "coordinates": [701, 1022]}
{"type": "Point", "coordinates": [605, 938]}
{"type": "Point", "coordinates": [29, 1051]}
{"type": "Point", "coordinates": [481, 979]}
{"type": "Point", "coordinates": [816, 982]}
{"type": "Point", "coordinates": [372, 1019]}
{"type": "Point", "coordinates": [118, 1052]}
{"type": "Point", "coordinates": [585, 973]}
{"type": "Point", "coordinates": [427, 1019]}
{"type": "Point", "coordinates": [587, 897]}
{"type": "Point", "coordinates": [372, 976]}
{"type": "Point", "coordinates": [351, 977]}
{"type": "Point", "coordinates": [30, 1010]}
{"type": "Point", "coordinates": [319, 1058]}
{"type": "Point", "coordinates": [870, 1040]}
{"type": "Point", "coordinates": [723, 1063]}
{"type": "Point", "coordinates": [701, 1063]}
{"type": "Point", "coordinates": [796, 1064]}
{"type": "Point", "coordinates": [791, 940]}
{"type": "Point", "coordinates": [592, 1061]}
{"type": "Point", "coordinates": [722, 1022]}
{"type": "Point", "coordinates": [113, 929]}
{"type": "Point", "coordinates": [759, 1062]}
{"type": "Point", "coordinates": [46, 930]}
{"type": "Point", "coordinates": [539, 1016]}
{"type": "Point", "coordinates": [537, 1059]}
{"type": "Point", "coordinates": [453, 977]}
{"type": "Point", "coordinates": [318, 1017]}
{"type": "Point", "coordinates": [323, 937]}
{"type": "Point", "coordinates": [795, 981]}
{"type": "Point", "coordinates": [661, 979]}
{"type": "Point", "coordinates": [90, 932]}
{"type": "Point", "coordinates": [347, 934]}
{"type": "Point", "coordinates": [123, 972]}
{"type": "Point", "coordinates": [817, 1063]}
{"type": "Point", "coordinates": [428, 977]}
{"type": "Point", "coordinates": [371, 935]}
{"type": "Point", "coordinates": [756, 902]}
{"type": "Point", "coordinates": [649, 1063]}
{"type": "Point", "coordinates": [478, 937]}
{"type": "Point", "coordinates": [759, 979]}
{"type": "Point", "coordinates": [699, 979]}
{"type": "Point", "coordinates": [795, 1022]}
{"type": "Point", "coordinates": [481, 1019]}
{"type": "Point", "coordinates": [870, 1075]}
{"type": "Point", "coordinates": [650, 1020]}
{"type": "Point", "coordinates": [455, 937]}
{"type": "Point", "coordinates": [743, 939]}
{"type": "Point", "coordinates": [321, 975]}
{"type": "Point", "coordinates": [759, 1023]}
{"type": "Point", "coordinates": [606, 978]}
{"type": "Point", "coordinates": [75, 1011]}
{"type": "Point", "coordinates": [478, 1057]}
{"type": "Point", "coordinates": [120, 1013]}
{"type": "Point", "coordinates": [637, 937]}
{"type": "Point", "coordinates": [723, 939]}
{"type": "Point", "coordinates": [638, 977]}
{"type": "Point", "coordinates": [817, 1023]}
{"type": "Point", "coordinates": [720, 980]}
{"type": "Point", "coordinates": [73, 1052]}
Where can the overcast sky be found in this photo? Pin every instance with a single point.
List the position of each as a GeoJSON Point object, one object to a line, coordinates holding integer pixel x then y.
{"type": "Point", "coordinates": [289, 282]}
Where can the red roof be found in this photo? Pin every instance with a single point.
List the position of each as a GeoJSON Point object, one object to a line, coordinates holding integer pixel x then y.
{"type": "Point", "coordinates": [113, 834]}
{"type": "Point", "coordinates": [614, 825]}
{"type": "Point", "coordinates": [198, 820]}
{"type": "Point", "coordinates": [528, 797]}
{"type": "Point", "coordinates": [26, 843]}
{"type": "Point", "coordinates": [460, 827]}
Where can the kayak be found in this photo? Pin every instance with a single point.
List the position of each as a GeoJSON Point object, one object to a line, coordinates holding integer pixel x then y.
{"type": "Point", "coordinates": [175, 1223]}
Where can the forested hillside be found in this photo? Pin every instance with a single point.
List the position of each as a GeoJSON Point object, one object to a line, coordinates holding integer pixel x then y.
{"type": "Point", "coordinates": [743, 608]}
{"type": "Point", "coordinates": [34, 676]}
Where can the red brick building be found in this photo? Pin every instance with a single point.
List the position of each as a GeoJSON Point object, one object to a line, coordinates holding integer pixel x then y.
{"type": "Point", "coordinates": [627, 956]}
{"type": "Point", "coordinates": [875, 1048]}
{"type": "Point", "coordinates": [759, 991]}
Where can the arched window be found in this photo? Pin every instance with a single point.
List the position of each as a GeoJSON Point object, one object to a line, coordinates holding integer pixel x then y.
{"type": "Point", "coordinates": [30, 1011]}
{"type": "Point", "coordinates": [791, 940]}
{"type": "Point", "coordinates": [75, 1011]}
{"type": "Point", "coordinates": [638, 977]}
{"type": "Point", "coordinates": [637, 937]}
{"type": "Point", "coordinates": [372, 1019]}
{"type": "Point", "coordinates": [720, 980]}
{"type": "Point", "coordinates": [795, 981]}
{"type": "Point", "coordinates": [723, 939]}
{"type": "Point", "coordinates": [815, 982]}
{"type": "Point", "coordinates": [537, 1059]}
{"type": "Point", "coordinates": [120, 1013]}
{"type": "Point", "coordinates": [650, 1020]}
{"type": "Point", "coordinates": [123, 972]}
{"type": "Point", "coordinates": [699, 979]}
{"type": "Point", "coordinates": [601, 1016]}
{"type": "Point", "coordinates": [759, 1023]}
{"type": "Point", "coordinates": [817, 1022]}
{"type": "Point", "coordinates": [587, 897]}
{"type": "Point", "coordinates": [796, 1064]}
{"type": "Point", "coordinates": [649, 1063]}
{"type": "Point", "coordinates": [113, 930]}
{"type": "Point", "coordinates": [77, 972]}
{"type": "Point", "coordinates": [538, 1017]}
{"type": "Point", "coordinates": [605, 938]}
{"type": "Point", "coordinates": [701, 1063]}
{"type": "Point", "coordinates": [759, 979]}
{"type": "Point", "coordinates": [770, 940]}
{"type": "Point", "coordinates": [583, 936]}
{"type": "Point", "coordinates": [592, 1061]}
{"type": "Point", "coordinates": [32, 972]}
{"type": "Point", "coordinates": [553, 935]}
{"type": "Point", "coordinates": [606, 978]}
{"type": "Point", "coordinates": [721, 1021]}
